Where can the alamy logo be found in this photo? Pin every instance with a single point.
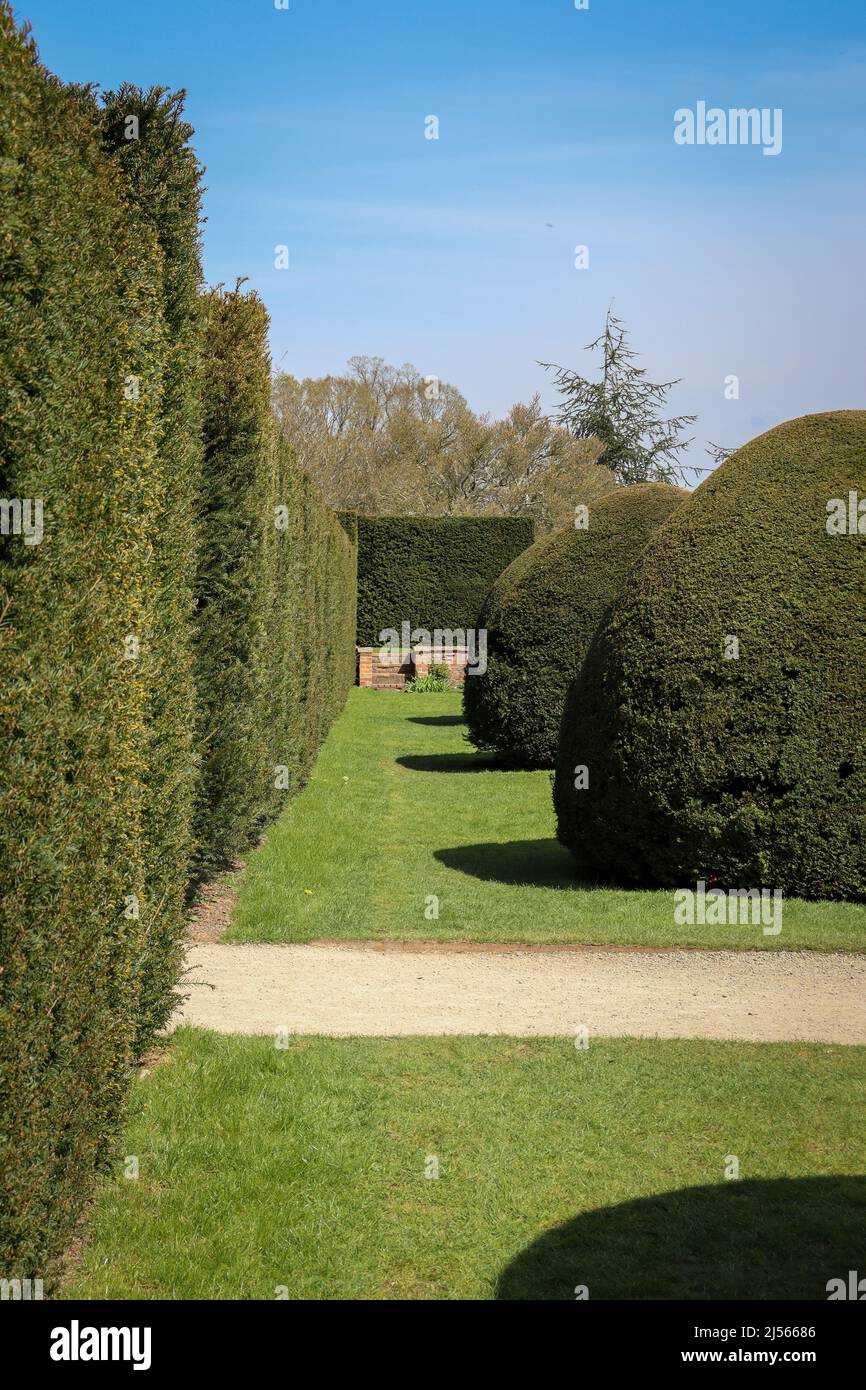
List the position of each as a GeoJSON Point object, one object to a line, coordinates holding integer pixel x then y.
{"type": "Point", "coordinates": [739, 125]}
{"type": "Point", "coordinates": [736, 907]}
{"type": "Point", "coordinates": [21, 1290]}
{"type": "Point", "coordinates": [77, 1343]}
{"type": "Point", "coordinates": [846, 516]}
{"type": "Point", "coordinates": [22, 516]}
{"type": "Point", "coordinates": [854, 1289]}
{"type": "Point", "coordinates": [440, 643]}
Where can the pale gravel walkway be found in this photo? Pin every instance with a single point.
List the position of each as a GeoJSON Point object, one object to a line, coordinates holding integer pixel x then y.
{"type": "Point", "coordinates": [345, 990]}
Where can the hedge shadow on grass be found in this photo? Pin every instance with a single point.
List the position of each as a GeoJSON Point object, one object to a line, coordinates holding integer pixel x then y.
{"type": "Point", "coordinates": [452, 762]}
{"type": "Point", "coordinates": [532, 863]}
{"type": "Point", "coordinates": [441, 721]}
{"type": "Point", "coordinates": [759, 1239]}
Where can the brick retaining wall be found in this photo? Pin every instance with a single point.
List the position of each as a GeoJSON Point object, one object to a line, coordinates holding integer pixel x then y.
{"type": "Point", "coordinates": [390, 672]}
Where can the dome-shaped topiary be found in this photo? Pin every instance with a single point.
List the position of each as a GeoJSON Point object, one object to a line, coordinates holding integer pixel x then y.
{"type": "Point", "coordinates": [541, 615]}
{"type": "Point", "coordinates": [721, 710]}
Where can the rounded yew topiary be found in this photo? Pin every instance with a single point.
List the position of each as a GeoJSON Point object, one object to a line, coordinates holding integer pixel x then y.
{"type": "Point", "coordinates": [541, 616]}
{"type": "Point", "coordinates": [721, 709]}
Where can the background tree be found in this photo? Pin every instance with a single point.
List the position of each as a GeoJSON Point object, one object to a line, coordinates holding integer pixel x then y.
{"type": "Point", "coordinates": [719, 452]}
{"type": "Point", "coordinates": [387, 441]}
{"type": "Point", "coordinates": [623, 412]}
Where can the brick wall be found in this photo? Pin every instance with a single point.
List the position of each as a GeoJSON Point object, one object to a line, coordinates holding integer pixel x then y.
{"type": "Point", "coordinates": [378, 672]}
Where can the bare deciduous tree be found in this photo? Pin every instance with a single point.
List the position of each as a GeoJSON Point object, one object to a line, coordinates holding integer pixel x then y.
{"type": "Point", "coordinates": [386, 440]}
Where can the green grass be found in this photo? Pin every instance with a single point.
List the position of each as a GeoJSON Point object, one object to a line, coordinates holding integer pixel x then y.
{"type": "Point", "coordinates": [305, 1168]}
{"type": "Point", "coordinates": [400, 809]}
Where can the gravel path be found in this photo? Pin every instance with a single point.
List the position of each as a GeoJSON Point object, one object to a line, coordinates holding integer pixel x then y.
{"type": "Point", "coordinates": [363, 989]}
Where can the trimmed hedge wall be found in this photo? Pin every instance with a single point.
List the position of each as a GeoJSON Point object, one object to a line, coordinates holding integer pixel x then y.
{"type": "Point", "coordinates": [431, 571]}
{"type": "Point", "coordinates": [541, 616]}
{"type": "Point", "coordinates": [276, 595]}
{"type": "Point", "coordinates": [326, 562]}
{"type": "Point", "coordinates": [748, 768]}
{"type": "Point", "coordinates": [80, 312]}
{"type": "Point", "coordinates": [162, 177]}
{"type": "Point", "coordinates": [101, 419]}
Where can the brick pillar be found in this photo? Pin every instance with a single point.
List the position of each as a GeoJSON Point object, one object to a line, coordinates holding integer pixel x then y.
{"type": "Point", "coordinates": [365, 666]}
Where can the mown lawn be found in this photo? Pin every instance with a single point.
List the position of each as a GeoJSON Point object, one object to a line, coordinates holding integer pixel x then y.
{"type": "Point", "coordinates": [401, 810]}
{"type": "Point", "coordinates": [301, 1172]}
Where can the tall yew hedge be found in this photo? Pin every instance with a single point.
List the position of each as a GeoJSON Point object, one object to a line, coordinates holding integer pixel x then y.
{"type": "Point", "coordinates": [165, 646]}
{"type": "Point", "coordinates": [80, 314]}
{"type": "Point", "coordinates": [432, 572]}
{"type": "Point", "coordinates": [162, 179]}
{"type": "Point", "coordinates": [276, 595]}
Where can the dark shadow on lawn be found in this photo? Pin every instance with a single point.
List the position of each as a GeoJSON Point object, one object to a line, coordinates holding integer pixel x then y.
{"type": "Point", "coordinates": [452, 762]}
{"type": "Point", "coordinates": [540, 863]}
{"type": "Point", "coordinates": [767, 1238]}
{"type": "Point", "coordinates": [441, 720]}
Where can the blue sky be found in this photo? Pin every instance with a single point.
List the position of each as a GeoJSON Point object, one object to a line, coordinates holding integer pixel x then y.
{"type": "Point", "coordinates": [555, 130]}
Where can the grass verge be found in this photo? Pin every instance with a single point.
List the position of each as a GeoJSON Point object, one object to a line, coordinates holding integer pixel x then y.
{"type": "Point", "coordinates": [402, 817]}
{"type": "Point", "coordinates": [303, 1170]}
